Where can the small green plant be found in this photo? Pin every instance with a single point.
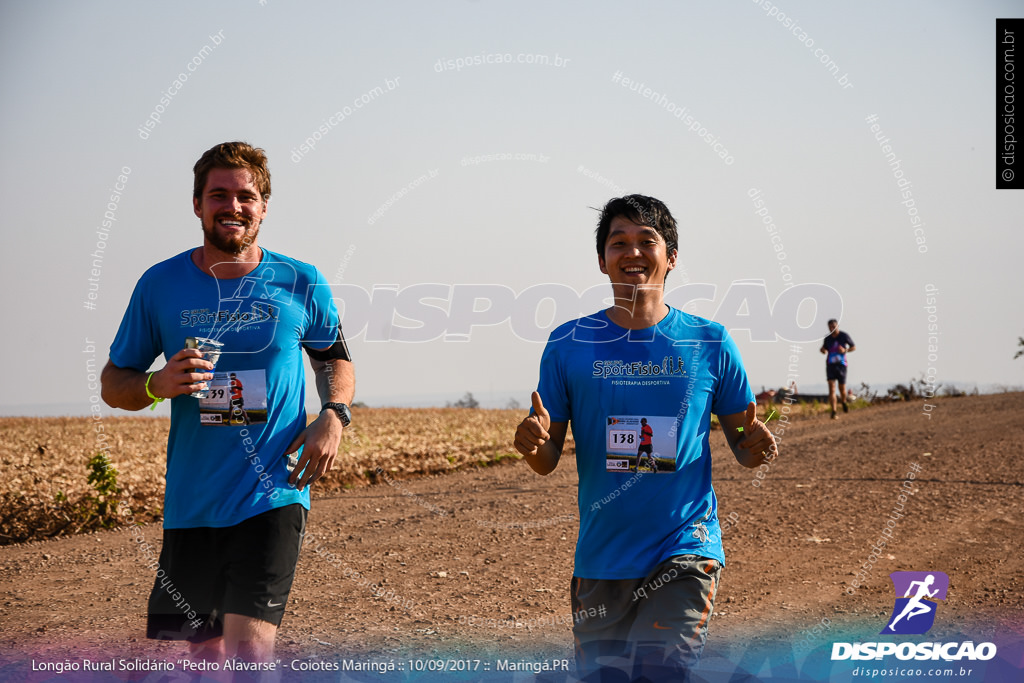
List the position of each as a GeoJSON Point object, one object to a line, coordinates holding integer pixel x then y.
{"type": "Point", "coordinates": [101, 507]}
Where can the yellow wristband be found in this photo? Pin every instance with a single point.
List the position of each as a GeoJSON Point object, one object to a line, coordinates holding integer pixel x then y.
{"type": "Point", "coordinates": [150, 393]}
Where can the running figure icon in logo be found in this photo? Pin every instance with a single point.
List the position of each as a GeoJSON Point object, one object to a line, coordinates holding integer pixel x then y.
{"type": "Point", "coordinates": [915, 606]}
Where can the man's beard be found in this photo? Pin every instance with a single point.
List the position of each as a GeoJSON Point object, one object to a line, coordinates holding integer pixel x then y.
{"type": "Point", "coordinates": [233, 245]}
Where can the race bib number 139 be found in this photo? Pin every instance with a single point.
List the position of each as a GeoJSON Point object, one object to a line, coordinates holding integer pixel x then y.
{"type": "Point", "coordinates": [235, 399]}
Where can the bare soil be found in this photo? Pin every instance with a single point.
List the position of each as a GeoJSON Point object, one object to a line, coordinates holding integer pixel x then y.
{"type": "Point", "coordinates": [477, 563]}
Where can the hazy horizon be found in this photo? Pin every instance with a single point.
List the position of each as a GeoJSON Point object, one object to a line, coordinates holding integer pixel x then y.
{"type": "Point", "coordinates": [465, 145]}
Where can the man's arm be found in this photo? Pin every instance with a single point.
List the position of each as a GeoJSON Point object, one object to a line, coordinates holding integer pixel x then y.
{"type": "Point", "coordinates": [753, 446]}
{"type": "Point", "coordinates": [125, 388]}
{"type": "Point", "coordinates": [335, 380]}
{"type": "Point", "coordinates": [539, 439]}
{"type": "Point", "coordinates": [335, 383]}
{"type": "Point", "coordinates": [544, 459]}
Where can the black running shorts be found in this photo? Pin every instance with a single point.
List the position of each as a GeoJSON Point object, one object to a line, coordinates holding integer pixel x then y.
{"type": "Point", "coordinates": [208, 572]}
{"type": "Point", "coordinates": [835, 371]}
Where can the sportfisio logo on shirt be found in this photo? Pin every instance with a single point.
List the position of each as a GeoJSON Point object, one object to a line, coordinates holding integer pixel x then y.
{"type": "Point", "coordinates": [204, 316]}
{"type": "Point", "coordinates": [619, 368]}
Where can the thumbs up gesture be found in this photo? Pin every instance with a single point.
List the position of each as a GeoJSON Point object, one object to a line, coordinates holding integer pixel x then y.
{"type": "Point", "coordinates": [757, 439]}
{"type": "Point", "coordinates": [532, 433]}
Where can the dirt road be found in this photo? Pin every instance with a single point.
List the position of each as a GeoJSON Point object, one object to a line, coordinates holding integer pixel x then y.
{"type": "Point", "coordinates": [477, 564]}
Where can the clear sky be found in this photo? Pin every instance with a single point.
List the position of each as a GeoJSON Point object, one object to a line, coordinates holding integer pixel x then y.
{"type": "Point", "coordinates": [446, 152]}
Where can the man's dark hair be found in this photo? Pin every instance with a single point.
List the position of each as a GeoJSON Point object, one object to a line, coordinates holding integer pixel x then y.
{"type": "Point", "coordinates": [833, 320]}
{"type": "Point", "coordinates": [641, 210]}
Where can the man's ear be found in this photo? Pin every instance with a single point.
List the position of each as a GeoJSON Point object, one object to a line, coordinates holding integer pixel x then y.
{"type": "Point", "coordinates": [600, 262]}
{"type": "Point", "coordinates": [197, 207]}
{"type": "Point", "coordinates": [672, 259]}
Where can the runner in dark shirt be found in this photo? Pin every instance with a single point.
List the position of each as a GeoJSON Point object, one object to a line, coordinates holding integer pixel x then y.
{"type": "Point", "coordinates": [835, 347]}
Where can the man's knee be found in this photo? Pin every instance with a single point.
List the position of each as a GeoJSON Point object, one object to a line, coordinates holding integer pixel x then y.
{"type": "Point", "coordinates": [249, 638]}
{"type": "Point", "coordinates": [211, 650]}
{"type": "Point", "coordinates": [243, 629]}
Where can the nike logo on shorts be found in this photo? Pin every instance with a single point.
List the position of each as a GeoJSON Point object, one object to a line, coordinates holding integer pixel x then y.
{"type": "Point", "coordinates": [274, 604]}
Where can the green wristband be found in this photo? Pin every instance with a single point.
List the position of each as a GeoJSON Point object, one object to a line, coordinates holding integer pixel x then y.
{"type": "Point", "coordinates": [150, 393]}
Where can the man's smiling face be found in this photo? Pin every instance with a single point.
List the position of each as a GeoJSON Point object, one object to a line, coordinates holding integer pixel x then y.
{"type": "Point", "coordinates": [230, 209]}
{"type": "Point", "coordinates": [635, 255]}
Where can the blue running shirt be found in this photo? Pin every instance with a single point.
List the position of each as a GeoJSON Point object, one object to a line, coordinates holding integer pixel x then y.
{"type": "Point", "coordinates": [223, 465]}
{"type": "Point", "coordinates": [636, 511]}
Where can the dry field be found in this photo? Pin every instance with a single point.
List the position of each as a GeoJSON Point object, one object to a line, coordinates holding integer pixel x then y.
{"type": "Point", "coordinates": [477, 563]}
{"type": "Point", "coordinates": [46, 492]}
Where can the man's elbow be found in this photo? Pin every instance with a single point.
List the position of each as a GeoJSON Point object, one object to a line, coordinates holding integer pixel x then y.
{"type": "Point", "coordinates": [105, 386]}
{"type": "Point", "coordinates": [108, 386]}
{"type": "Point", "coordinates": [109, 396]}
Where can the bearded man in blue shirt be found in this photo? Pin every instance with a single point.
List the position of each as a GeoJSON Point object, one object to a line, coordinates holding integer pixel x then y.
{"type": "Point", "coordinates": [237, 490]}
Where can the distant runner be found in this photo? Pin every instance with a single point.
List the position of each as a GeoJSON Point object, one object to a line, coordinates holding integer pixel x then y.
{"type": "Point", "coordinates": [837, 344]}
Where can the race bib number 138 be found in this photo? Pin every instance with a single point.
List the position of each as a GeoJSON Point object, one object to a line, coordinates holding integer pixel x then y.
{"type": "Point", "coordinates": [641, 443]}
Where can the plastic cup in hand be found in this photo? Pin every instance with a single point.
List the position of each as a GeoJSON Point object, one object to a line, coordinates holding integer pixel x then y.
{"type": "Point", "coordinates": [211, 349]}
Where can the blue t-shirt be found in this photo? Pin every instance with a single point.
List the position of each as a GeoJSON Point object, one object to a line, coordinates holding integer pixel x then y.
{"type": "Point", "coordinates": [637, 511]}
{"type": "Point", "coordinates": [225, 454]}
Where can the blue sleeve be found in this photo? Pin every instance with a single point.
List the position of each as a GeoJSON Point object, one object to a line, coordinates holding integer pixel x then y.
{"type": "Point", "coordinates": [553, 389]}
{"type": "Point", "coordinates": [321, 314]}
{"type": "Point", "coordinates": [732, 392]}
{"type": "Point", "coordinates": [137, 342]}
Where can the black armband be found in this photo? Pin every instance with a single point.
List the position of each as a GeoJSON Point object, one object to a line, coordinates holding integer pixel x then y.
{"type": "Point", "coordinates": [336, 351]}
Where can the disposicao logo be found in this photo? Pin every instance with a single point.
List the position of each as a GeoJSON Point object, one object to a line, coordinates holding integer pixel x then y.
{"type": "Point", "coordinates": [913, 614]}
{"type": "Point", "coordinates": [916, 593]}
